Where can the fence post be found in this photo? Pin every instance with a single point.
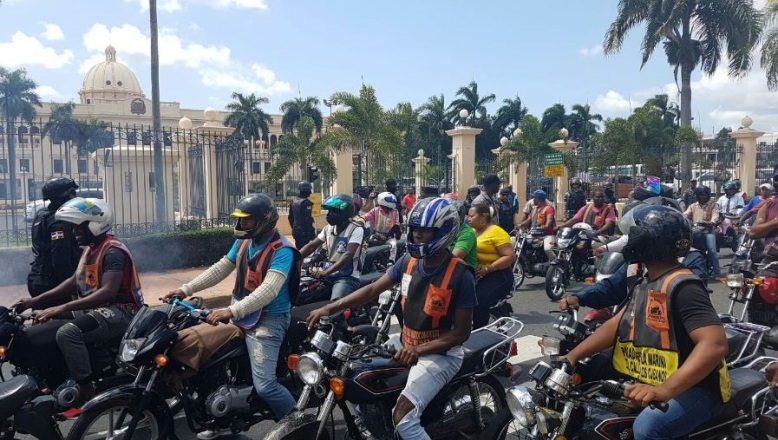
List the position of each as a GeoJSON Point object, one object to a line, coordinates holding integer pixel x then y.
{"type": "Point", "coordinates": [183, 142]}
{"type": "Point", "coordinates": [565, 147]}
{"type": "Point", "coordinates": [419, 163]}
{"type": "Point", "coordinates": [463, 152]}
{"type": "Point", "coordinates": [746, 169]}
{"type": "Point", "coordinates": [212, 130]}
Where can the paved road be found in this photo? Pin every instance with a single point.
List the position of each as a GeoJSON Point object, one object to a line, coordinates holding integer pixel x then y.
{"type": "Point", "coordinates": [531, 306]}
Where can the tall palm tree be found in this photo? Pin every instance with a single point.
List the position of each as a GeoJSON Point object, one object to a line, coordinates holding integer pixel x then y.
{"type": "Point", "coordinates": [246, 115]}
{"type": "Point", "coordinates": [17, 101]}
{"type": "Point", "coordinates": [63, 127]}
{"type": "Point", "coordinates": [509, 116]}
{"type": "Point", "coordinates": [554, 119]}
{"type": "Point", "coordinates": [693, 33]}
{"type": "Point", "coordinates": [769, 59]}
{"type": "Point", "coordinates": [298, 108]}
{"type": "Point", "coordinates": [300, 147]}
{"type": "Point", "coordinates": [364, 127]}
{"type": "Point", "coordinates": [433, 123]}
{"type": "Point", "coordinates": [669, 111]}
{"type": "Point", "coordinates": [582, 125]}
{"type": "Point", "coordinates": [471, 101]}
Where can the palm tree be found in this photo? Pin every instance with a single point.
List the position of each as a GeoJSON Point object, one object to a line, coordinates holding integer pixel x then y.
{"type": "Point", "coordinates": [669, 111]}
{"type": "Point", "coordinates": [93, 134]}
{"type": "Point", "coordinates": [509, 116]}
{"type": "Point", "coordinates": [471, 101]}
{"type": "Point", "coordinates": [17, 101]}
{"type": "Point", "coordinates": [63, 127]}
{"type": "Point", "coordinates": [693, 33]}
{"type": "Point", "coordinates": [301, 147]}
{"type": "Point", "coordinates": [582, 126]}
{"type": "Point", "coordinates": [249, 120]}
{"type": "Point", "coordinates": [554, 119]}
{"type": "Point", "coordinates": [364, 127]}
{"type": "Point", "coordinates": [298, 108]}
{"type": "Point", "coordinates": [769, 60]}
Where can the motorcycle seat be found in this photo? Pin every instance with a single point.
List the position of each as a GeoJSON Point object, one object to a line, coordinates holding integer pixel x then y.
{"type": "Point", "coordinates": [14, 393]}
{"type": "Point", "coordinates": [368, 278]}
{"type": "Point", "coordinates": [744, 383]}
{"type": "Point", "coordinates": [234, 348]}
{"type": "Point", "coordinates": [374, 252]}
{"type": "Point", "coordinates": [474, 349]}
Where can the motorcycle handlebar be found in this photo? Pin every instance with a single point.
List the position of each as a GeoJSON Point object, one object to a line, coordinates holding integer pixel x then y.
{"type": "Point", "coordinates": [616, 389]}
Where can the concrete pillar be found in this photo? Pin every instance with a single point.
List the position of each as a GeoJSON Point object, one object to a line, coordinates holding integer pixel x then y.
{"type": "Point", "coordinates": [344, 181]}
{"type": "Point", "coordinates": [184, 139]}
{"type": "Point", "coordinates": [562, 183]}
{"type": "Point", "coordinates": [463, 157]}
{"type": "Point", "coordinates": [419, 162]}
{"type": "Point", "coordinates": [209, 134]}
{"type": "Point", "coordinates": [746, 168]}
{"type": "Point", "coordinates": [518, 179]}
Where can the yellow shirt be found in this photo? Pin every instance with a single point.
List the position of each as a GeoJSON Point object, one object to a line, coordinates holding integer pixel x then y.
{"type": "Point", "coordinates": [488, 242]}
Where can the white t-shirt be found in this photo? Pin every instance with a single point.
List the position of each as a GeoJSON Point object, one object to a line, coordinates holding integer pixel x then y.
{"type": "Point", "coordinates": [727, 205]}
{"type": "Point", "coordinates": [337, 243]}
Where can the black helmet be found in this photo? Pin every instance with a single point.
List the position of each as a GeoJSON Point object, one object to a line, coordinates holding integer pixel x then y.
{"type": "Point", "coordinates": [340, 208]}
{"type": "Point", "coordinates": [702, 190]}
{"type": "Point", "coordinates": [660, 233]}
{"type": "Point", "coordinates": [259, 207]}
{"type": "Point", "coordinates": [57, 187]}
{"type": "Point", "coordinates": [305, 187]}
{"type": "Point", "coordinates": [738, 184]}
{"type": "Point", "coordinates": [656, 200]}
{"type": "Point", "coordinates": [576, 181]}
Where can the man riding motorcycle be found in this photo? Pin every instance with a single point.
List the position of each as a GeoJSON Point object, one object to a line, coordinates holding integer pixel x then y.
{"type": "Point", "coordinates": [53, 244]}
{"type": "Point", "coordinates": [383, 220]}
{"type": "Point", "coordinates": [542, 216]}
{"type": "Point", "coordinates": [597, 214]}
{"type": "Point", "coordinates": [301, 216]}
{"type": "Point", "coordinates": [703, 211]}
{"type": "Point", "coordinates": [344, 236]}
{"type": "Point", "coordinates": [433, 329]}
{"type": "Point", "coordinates": [575, 199]}
{"type": "Point", "coordinates": [730, 203]}
{"type": "Point", "coordinates": [668, 337]}
{"type": "Point", "coordinates": [267, 281]}
{"type": "Point", "coordinates": [107, 288]}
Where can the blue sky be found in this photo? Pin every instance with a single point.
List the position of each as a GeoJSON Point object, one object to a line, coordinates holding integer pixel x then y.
{"type": "Point", "coordinates": [543, 51]}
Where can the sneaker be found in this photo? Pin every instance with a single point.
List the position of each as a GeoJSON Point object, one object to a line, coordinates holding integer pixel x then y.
{"type": "Point", "coordinates": [211, 434]}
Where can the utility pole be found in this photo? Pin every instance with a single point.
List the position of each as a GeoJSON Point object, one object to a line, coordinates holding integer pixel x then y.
{"type": "Point", "coordinates": [159, 180]}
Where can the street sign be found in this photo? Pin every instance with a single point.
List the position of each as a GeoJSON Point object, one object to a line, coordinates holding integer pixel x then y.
{"type": "Point", "coordinates": [554, 170]}
{"type": "Point", "coordinates": [554, 159]}
{"type": "Point", "coordinates": [316, 199]}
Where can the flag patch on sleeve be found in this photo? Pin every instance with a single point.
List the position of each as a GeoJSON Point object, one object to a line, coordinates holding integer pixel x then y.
{"type": "Point", "coordinates": [57, 235]}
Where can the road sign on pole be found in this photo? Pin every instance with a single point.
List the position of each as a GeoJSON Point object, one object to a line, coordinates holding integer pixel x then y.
{"type": "Point", "coordinates": [554, 159]}
{"type": "Point", "coordinates": [554, 165]}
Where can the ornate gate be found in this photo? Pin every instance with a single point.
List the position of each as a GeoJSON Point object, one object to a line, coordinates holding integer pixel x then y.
{"type": "Point", "coordinates": [230, 174]}
{"type": "Point", "coordinates": [196, 191]}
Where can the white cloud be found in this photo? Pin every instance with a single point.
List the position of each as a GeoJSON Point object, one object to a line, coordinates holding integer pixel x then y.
{"type": "Point", "coordinates": [25, 51]}
{"type": "Point", "coordinates": [591, 51]}
{"type": "Point", "coordinates": [52, 32]}
{"type": "Point", "coordinates": [48, 93]}
{"type": "Point", "coordinates": [613, 103]}
{"type": "Point", "coordinates": [214, 64]}
{"type": "Point", "coordinates": [194, 26]}
{"type": "Point", "coordinates": [92, 60]}
{"type": "Point", "coordinates": [179, 5]}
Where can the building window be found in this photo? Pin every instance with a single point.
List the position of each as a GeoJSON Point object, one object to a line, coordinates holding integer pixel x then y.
{"type": "Point", "coordinates": [267, 167]}
{"type": "Point", "coordinates": [24, 165]}
{"type": "Point", "coordinates": [82, 166]}
{"type": "Point", "coordinates": [58, 166]}
{"type": "Point", "coordinates": [3, 165]}
{"type": "Point", "coordinates": [255, 167]}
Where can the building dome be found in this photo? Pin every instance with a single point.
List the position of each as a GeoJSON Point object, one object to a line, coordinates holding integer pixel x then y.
{"type": "Point", "coordinates": [109, 81]}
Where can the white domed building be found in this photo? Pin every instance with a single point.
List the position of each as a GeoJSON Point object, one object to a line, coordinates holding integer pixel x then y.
{"type": "Point", "coordinates": [109, 81]}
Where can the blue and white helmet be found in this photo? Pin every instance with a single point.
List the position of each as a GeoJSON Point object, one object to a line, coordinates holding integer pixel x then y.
{"type": "Point", "coordinates": [95, 211]}
{"type": "Point", "coordinates": [436, 213]}
{"type": "Point", "coordinates": [387, 200]}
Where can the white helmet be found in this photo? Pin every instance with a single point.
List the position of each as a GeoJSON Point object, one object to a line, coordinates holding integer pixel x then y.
{"type": "Point", "coordinates": [80, 210]}
{"type": "Point", "coordinates": [387, 200]}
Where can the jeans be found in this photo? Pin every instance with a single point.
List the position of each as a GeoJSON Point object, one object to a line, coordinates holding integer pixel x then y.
{"type": "Point", "coordinates": [489, 290]}
{"type": "Point", "coordinates": [685, 413]}
{"type": "Point", "coordinates": [425, 380]}
{"type": "Point", "coordinates": [99, 325]}
{"type": "Point", "coordinates": [264, 343]}
{"type": "Point", "coordinates": [344, 286]}
{"type": "Point", "coordinates": [713, 256]}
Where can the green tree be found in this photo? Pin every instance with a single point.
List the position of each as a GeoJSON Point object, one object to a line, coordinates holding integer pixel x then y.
{"type": "Point", "coordinates": [693, 34]}
{"type": "Point", "coordinates": [93, 135]}
{"type": "Point", "coordinates": [582, 125]}
{"type": "Point", "coordinates": [63, 128]}
{"type": "Point", "coordinates": [246, 115]}
{"type": "Point", "coordinates": [554, 119]}
{"type": "Point", "coordinates": [433, 124]}
{"type": "Point", "coordinates": [365, 127]}
{"type": "Point", "coordinates": [509, 116]}
{"type": "Point", "coordinates": [669, 111]}
{"type": "Point", "coordinates": [769, 58]}
{"type": "Point", "coordinates": [298, 108]}
{"type": "Point", "coordinates": [300, 147]}
{"type": "Point", "coordinates": [471, 101]}
{"type": "Point", "coordinates": [18, 100]}
{"type": "Point", "coordinates": [617, 145]}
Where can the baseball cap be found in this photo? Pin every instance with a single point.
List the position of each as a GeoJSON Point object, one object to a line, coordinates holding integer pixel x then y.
{"type": "Point", "coordinates": [766, 185]}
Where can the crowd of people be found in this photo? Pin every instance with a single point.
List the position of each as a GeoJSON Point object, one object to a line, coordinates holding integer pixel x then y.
{"type": "Point", "coordinates": [458, 264]}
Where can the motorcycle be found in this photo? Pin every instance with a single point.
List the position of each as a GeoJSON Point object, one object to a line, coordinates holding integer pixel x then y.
{"type": "Point", "coordinates": [755, 295]}
{"type": "Point", "coordinates": [726, 232]}
{"type": "Point", "coordinates": [21, 411]}
{"type": "Point", "coordinates": [363, 382]}
{"type": "Point", "coordinates": [40, 358]}
{"type": "Point", "coordinates": [610, 262]}
{"type": "Point", "coordinates": [574, 259]}
{"type": "Point", "coordinates": [560, 407]}
{"type": "Point", "coordinates": [531, 260]}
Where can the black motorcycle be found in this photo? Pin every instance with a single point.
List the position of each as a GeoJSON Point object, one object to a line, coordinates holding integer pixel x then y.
{"type": "Point", "coordinates": [574, 259]}
{"type": "Point", "coordinates": [24, 411]}
{"type": "Point", "coordinates": [557, 407]}
{"type": "Point", "coordinates": [531, 261]}
{"type": "Point", "coordinates": [364, 383]}
{"type": "Point", "coordinates": [40, 358]}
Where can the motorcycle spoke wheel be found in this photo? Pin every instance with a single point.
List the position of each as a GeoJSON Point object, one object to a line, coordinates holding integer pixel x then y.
{"type": "Point", "coordinates": [504, 427]}
{"type": "Point", "coordinates": [112, 424]}
{"type": "Point", "coordinates": [555, 283]}
{"type": "Point", "coordinates": [518, 275]}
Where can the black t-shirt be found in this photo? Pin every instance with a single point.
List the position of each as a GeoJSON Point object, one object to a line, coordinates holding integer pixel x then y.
{"type": "Point", "coordinates": [694, 310]}
{"type": "Point", "coordinates": [113, 260]}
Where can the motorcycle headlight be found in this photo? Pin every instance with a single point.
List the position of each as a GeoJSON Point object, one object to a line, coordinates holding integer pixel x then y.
{"type": "Point", "coordinates": [310, 368]}
{"type": "Point", "coordinates": [130, 348]}
{"type": "Point", "coordinates": [521, 406]}
{"type": "Point", "coordinates": [735, 280]}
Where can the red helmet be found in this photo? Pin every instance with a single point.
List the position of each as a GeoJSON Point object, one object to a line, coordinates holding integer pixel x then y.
{"type": "Point", "coordinates": [768, 290]}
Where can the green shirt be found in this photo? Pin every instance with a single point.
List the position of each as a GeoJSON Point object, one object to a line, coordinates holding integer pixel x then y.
{"type": "Point", "coordinates": [466, 241]}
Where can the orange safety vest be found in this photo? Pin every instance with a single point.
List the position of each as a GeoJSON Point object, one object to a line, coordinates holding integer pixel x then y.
{"type": "Point", "coordinates": [539, 218]}
{"type": "Point", "coordinates": [596, 219]}
{"type": "Point", "coordinates": [89, 276]}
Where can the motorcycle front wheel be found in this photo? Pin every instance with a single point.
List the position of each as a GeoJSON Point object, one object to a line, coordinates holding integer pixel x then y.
{"type": "Point", "coordinates": [112, 418]}
{"type": "Point", "coordinates": [555, 283]}
{"type": "Point", "coordinates": [504, 427]}
{"type": "Point", "coordinates": [518, 275]}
